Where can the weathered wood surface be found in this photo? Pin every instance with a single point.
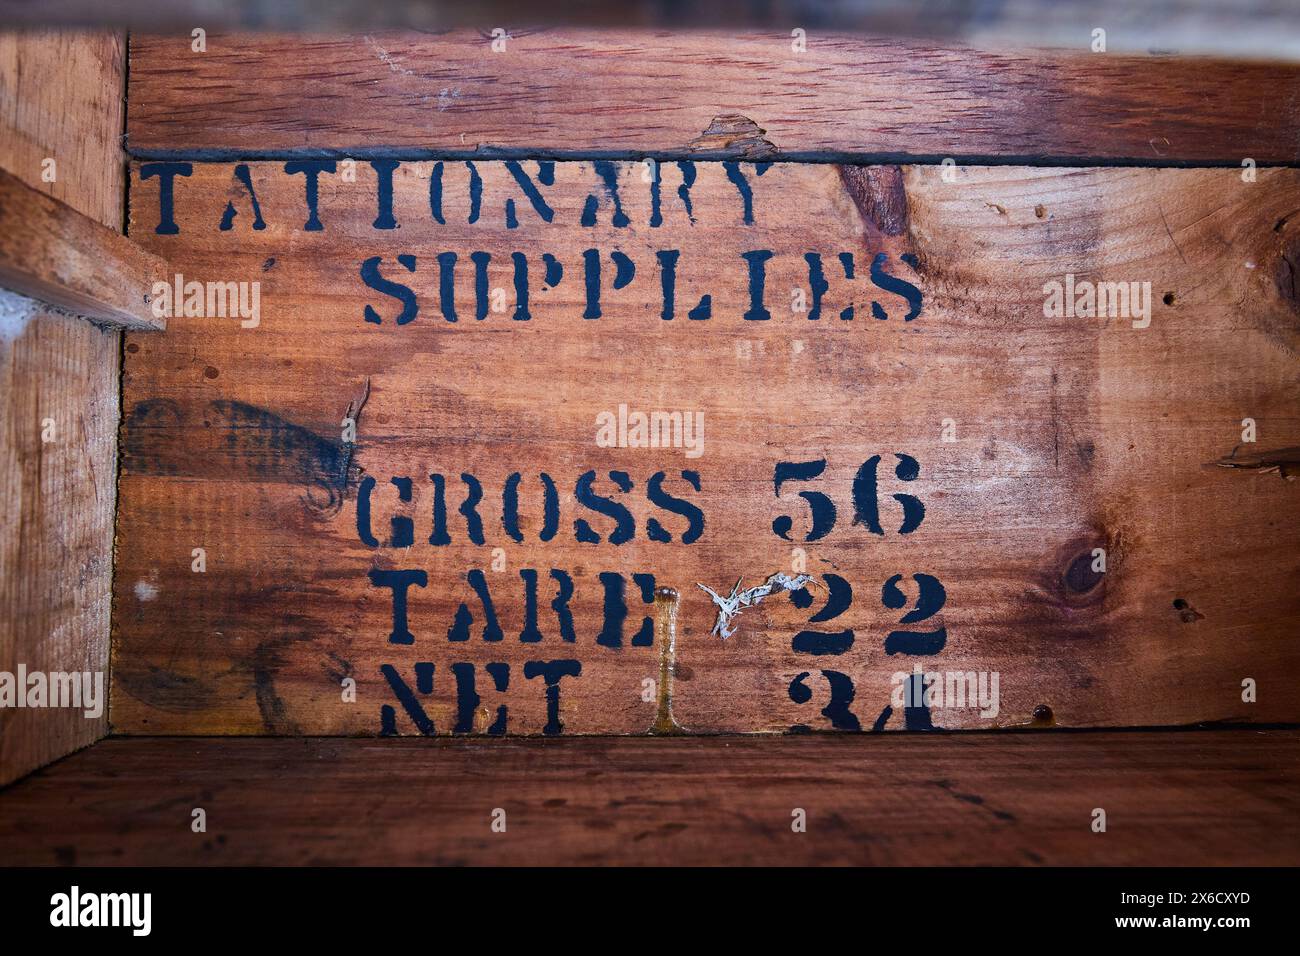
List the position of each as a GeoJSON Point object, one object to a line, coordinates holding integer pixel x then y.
{"type": "Point", "coordinates": [53, 253]}
{"type": "Point", "coordinates": [60, 98]}
{"type": "Point", "coordinates": [1071, 434]}
{"type": "Point", "coordinates": [1171, 799]}
{"type": "Point", "coordinates": [584, 94]}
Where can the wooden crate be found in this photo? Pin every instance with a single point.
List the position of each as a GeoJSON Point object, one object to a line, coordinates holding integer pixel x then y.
{"type": "Point", "coordinates": [406, 495]}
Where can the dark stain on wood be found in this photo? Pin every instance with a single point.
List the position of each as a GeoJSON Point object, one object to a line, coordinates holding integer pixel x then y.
{"type": "Point", "coordinates": [236, 440]}
{"type": "Point", "coordinates": [1186, 613]}
{"type": "Point", "coordinates": [975, 799]}
{"type": "Point", "coordinates": [267, 660]}
{"type": "Point", "coordinates": [338, 668]}
{"type": "Point", "coordinates": [1286, 275]}
{"type": "Point", "coordinates": [163, 688]}
{"type": "Point", "coordinates": [880, 196]}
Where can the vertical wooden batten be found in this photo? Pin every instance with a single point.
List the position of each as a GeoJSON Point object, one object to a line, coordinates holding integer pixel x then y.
{"type": "Point", "coordinates": [61, 99]}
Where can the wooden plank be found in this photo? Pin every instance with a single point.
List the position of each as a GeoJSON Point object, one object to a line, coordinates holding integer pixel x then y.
{"type": "Point", "coordinates": [1171, 799]}
{"type": "Point", "coordinates": [582, 94]}
{"type": "Point", "coordinates": [53, 253]}
{"type": "Point", "coordinates": [1252, 28]}
{"type": "Point", "coordinates": [60, 99]}
{"type": "Point", "coordinates": [1068, 435]}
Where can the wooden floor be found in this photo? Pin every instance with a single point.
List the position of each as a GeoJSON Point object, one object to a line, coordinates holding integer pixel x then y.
{"type": "Point", "coordinates": [1171, 798]}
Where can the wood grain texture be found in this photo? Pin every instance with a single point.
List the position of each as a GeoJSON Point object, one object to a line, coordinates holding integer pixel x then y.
{"type": "Point", "coordinates": [55, 254]}
{"type": "Point", "coordinates": [60, 97]}
{"type": "Point", "coordinates": [1070, 435]}
{"type": "Point", "coordinates": [584, 94]}
{"type": "Point", "coordinates": [1172, 799]}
